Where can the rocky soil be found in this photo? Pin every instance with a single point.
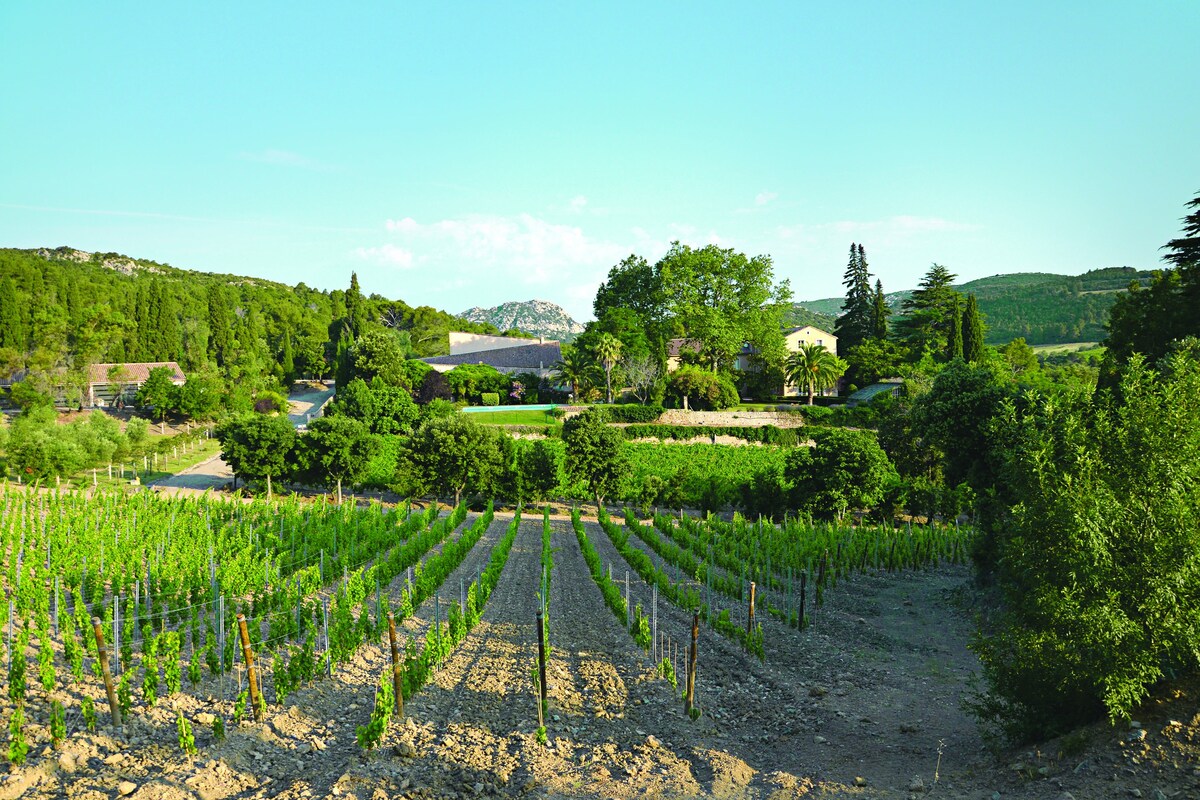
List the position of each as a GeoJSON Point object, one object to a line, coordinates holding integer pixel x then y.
{"type": "Point", "coordinates": [864, 703]}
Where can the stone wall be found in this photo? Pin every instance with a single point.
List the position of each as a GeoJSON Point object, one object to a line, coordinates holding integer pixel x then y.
{"type": "Point", "coordinates": [745, 419]}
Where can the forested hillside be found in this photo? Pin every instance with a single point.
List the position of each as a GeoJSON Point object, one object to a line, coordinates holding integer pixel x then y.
{"type": "Point", "coordinates": [1041, 307]}
{"type": "Point", "coordinates": [63, 309]}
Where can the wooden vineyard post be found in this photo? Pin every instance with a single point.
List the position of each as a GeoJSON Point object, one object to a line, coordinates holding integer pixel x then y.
{"type": "Point", "coordinates": [750, 613]}
{"type": "Point", "coordinates": [690, 698]}
{"type": "Point", "coordinates": [397, 682]}
{"type": "Point", "coordinates": [803, 596]}
{"type": "Point", "coordinates": [541, 634]}
{"type": "Point", "coordinates": [102, 654]}
{"type": "Point", "coordinates": [248, 654]}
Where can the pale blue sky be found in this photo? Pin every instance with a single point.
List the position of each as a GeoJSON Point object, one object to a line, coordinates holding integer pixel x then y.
{"type": "Point", "coordinates": [467, 154]}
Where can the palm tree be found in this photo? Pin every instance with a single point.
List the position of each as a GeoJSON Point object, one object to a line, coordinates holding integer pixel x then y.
{"type": "Point", "coordinates": [575, 369]}
{"type": "Point", "coordinates": [815, 368]}
{"type": "Point", "coordinates": [608, 351]}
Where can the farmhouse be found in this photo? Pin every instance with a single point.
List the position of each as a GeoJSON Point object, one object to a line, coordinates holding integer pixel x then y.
{"type": "Point", "coordinates": [108, 383]}
{"type": "Point", "coordinates": [745, 361]}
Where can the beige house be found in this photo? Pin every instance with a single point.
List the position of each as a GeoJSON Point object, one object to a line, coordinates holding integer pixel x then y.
{"type": "Point", "coordinates": [108, 382]}
{"type": "Point", "coordinates": [793, 338]}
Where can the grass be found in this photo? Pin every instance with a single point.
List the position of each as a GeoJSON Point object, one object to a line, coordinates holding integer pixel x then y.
{"type": "Point", "coordinates": [1069, 347]}
{"type": "Point", "coordinates": [205, 449]}
{"type": "Point", "coordinates": [515, 418]}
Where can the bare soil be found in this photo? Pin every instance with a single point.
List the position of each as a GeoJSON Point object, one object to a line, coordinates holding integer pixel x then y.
{"type": "Point", "coordinates": [865, 703]}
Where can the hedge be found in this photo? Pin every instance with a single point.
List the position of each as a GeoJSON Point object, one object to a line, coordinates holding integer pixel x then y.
{"type": "Point", "coordinates": [766, 434]}
{"type": "Point", "coordinates": [632, 412]}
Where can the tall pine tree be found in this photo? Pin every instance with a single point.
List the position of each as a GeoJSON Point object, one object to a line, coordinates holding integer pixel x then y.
{"type": "Point", "coordinates": [929, 314]}
{"type": "Point", "coordinates": [954, 345]}
{"type": "Point", "coordinates": [972, 332]}
{"type": "Point", "coordinates": [220, 325]}
{"type": "Point", "coordinates": [857, 322]}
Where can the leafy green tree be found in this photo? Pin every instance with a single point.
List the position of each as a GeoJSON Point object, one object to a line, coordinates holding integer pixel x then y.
{"type": "Point", "coordinates": [377, 354]}
{"type": "Point", "coordinates": [1020, 357]}
{"type": "Point", "coordinates": [814, 368]}
{"type": "Point", "coordinates": [383, 409]}
{"type": "Point", "coordinates": [857, 321]}
{"type": "Point", "coordinates": [199, 397]}
{"type": "Point", "coordinates": [450, 455]}
{"type": "Point", "coordinates": [542, 466]}
{"type": "Point", "coordinates": [470, 381]}
{"type": "Point", "coordinates": [257, 447]}
{"type": "Point", "coordinates": [338, 449]}
{"type": "Point", "coordinates": [873, 360]}
{"type": "Point", "coordinates": [724, 300]}
{"type": "Point", "coordinates": [844, 470]}
{"type": "Point", "coordinates": [595, 453]}
{"type": "Point", "coordinates": [928, 319]}
{"type": "Point", "coordinates": [220, 325]}
{"type": "Point", "coordinates": [701, 389]}
{"type": "Point", "coordinates": [972, 331]}
{"type": "Point", "coordinates": [433, 386]}
{"type": "Point", "coordinates": [158, 391]}
{"type": "Point", "coordinates": [636, 286]}
{"type": "Point", "coordinates": [1099, 551]}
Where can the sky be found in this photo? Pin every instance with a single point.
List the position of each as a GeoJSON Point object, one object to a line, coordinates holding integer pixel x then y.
{"type": "Point", "coordinates": [464, 154]}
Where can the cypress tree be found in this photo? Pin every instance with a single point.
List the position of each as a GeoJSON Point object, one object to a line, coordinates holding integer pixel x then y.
{"type": "Point", "coordinates": [356, 311]}
{"type": "Point", "coordinates": [972, 332]}
{"type": "Point", "coordinates": [220, 325]}
{"type": "Point", "coordinates": [954, 346]}
{"type": "Point", "coordinates": [287, 361]}
{"type": "Point", "coordinates": [879, 319]}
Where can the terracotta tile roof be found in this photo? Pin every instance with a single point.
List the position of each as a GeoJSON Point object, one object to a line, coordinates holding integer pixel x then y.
{"type": "Point", "coordinates": [134, 373]}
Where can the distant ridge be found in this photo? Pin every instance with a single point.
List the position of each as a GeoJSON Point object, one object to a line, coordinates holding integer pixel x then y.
{"type": "Point", "coordinates": [535, 317]}
{"type": "Point", "coordinates": [1042, 307]}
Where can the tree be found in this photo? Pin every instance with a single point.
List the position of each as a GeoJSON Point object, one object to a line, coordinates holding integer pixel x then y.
{"type": "Point", "coordinates": [383, 409]}
{"type": "Point", "coordinates": [857, 322]}
{"type": "Point", "coordinates": [1020, 357]}
{"type": "Point", "coordinates": [158, 391]}
{"type": "Point", "coordinates": [701, 389]}
{"type": "Point", "coordinates": [608, 352]}
{"type": "Point", "coordinates": [928, 318]}
{"type": "Point", "coordinates": [1099, 551]}
{"type": "Point", "coordinates": [844, 470]}
{"type": "Point", "coordinates": [199, 397]}
{"type": "Point", "coordinates": [575, 369]}
{"type": "Point", "coordinates": [634, 285]}
{"type": "Point", "coordinates": [377, 353]}
{"type": "Point", "coordinates": [450, 455]}
{"type": "Point", "coordinates": [643, 374]}
{"type": "Point", "coordinates": [434, 386]}
{"type": "Point", "coordinates": [880, 312]}
{"type": "Point", "coordinates": [814, 368]}
{"type": "Point", "coordinates": [595, 453]}
{"type": "Point", "coordinates": [724, 300]}
{"type": "Point", "coordinates": [972, 332]}
{"type": "Point", "coordinates": [954, 342]}
{"type": "Point", "coordinates": [873, 360]}
{"type": "Point", "coordinates": [542, 467]}
{"type": "Point", "coordinates": [257, 447]}
{"type": "Point", "coordinates": [339, 448]}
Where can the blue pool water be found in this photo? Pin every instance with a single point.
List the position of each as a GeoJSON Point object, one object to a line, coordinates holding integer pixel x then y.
{"type": "Point", "coordinates": [485, 409]}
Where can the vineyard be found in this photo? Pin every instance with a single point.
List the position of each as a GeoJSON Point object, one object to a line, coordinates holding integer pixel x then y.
{"type": "Point", "coordinates": [295, 649]}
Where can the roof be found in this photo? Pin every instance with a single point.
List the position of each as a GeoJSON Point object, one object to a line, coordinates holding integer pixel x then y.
{"type": "Point", "coordinates": [134, 373]}
{"type": "Point", "coordinates": [525, 357]}
{"type": "Point", "coordinates": [676, 346]}
{"type": "Point", "coordinates": [799, 328]}
{"type": "Point", "coordinates": [866, 393]}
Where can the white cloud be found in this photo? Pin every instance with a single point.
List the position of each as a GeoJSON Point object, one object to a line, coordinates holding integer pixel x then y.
{"type": "Point", "coordinates": [388, 254]}
{"type": "Point", "coordinates": [762, 198]}
{"type": "Point", "coordinates": [577, 203]}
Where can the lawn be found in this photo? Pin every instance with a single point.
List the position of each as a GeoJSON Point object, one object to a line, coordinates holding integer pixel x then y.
{"type": "Point", "coordinates": [515, 418]}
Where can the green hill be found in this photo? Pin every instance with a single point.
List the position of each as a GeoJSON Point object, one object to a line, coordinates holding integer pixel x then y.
{"type": "Point", "coordinates": [1042, 307]}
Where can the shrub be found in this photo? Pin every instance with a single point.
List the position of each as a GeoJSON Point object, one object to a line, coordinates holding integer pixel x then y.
{"type": "Point", "coordinates": [490, 398]}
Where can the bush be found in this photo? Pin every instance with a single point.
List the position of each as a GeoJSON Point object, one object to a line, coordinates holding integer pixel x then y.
{"type": "Point", "coordinates": [270, 403]}
{"type": "Point", "coordinates": [1098, 552]}
{"type": "Point", "coordinates": [490, 398]}
{"type": "Point", "coordinates": [764, 434]}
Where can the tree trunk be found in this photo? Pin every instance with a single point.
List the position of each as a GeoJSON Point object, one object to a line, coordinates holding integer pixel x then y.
{"type": "Point", "coordinates": [268, 487]}
{"type": "Point", "coordinates": [457, 495]}
{"type": "Point", "coordinates": [339, 490]}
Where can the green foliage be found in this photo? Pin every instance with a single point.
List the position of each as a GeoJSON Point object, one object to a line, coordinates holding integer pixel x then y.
{"type": "Point", "coordinates": [335, 450]}
{"type": "Point", "coordinates": [219, 728]}
{"type": "Point", "coordinates": [172, 673]}
{"type": "Point", "coordinates": [17, 748]}
{"type": "Point", "coordinates": [595, 453]}
{"type": "Point", "coordinates": [1098, 551]}
{"type": "Point", "coordinates": [704, 390]}
{"type": "Point", "coordinates": [157, 391]}
{"type": "Point", "coordinates": [845, 470]}
{"type": "Point", "coordinates": [187, 741]}
{"type": "Point", "coordinates": [635, 413]}
{"type": "Point", "coordinates": [46, 660]}
{"type": "Point", "coordinates": [451, 455]}
{"type": "Point", "coordinates": [257, 447]}
{"type": "Point", "coordinates": [16, 669]}
{"type": "Point", "coordinates": [382, 408]}
{"type": "Point", "coordinates": [640, 628]}
{"type": "Point", "coordinates": [58, 724]}
{"type": "Point", "coordinates": [239, 706]}
{"type": "Point", "coordinates": [763, 434]}
{"type": "Point", "coordinates": [371, 734]}
{"type": "Point", "coordinates": [857, 322]}
{"type": "Point", "coordinates": [489, 399]}
{"type": "Point", "coordinates": [87, 707]}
